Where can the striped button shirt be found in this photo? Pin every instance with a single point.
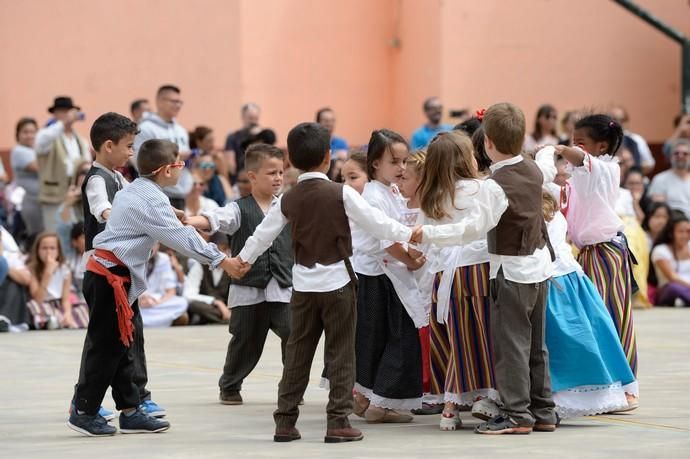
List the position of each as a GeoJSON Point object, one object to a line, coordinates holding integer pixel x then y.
{"type": "Point", "coordinates": [141, 216]}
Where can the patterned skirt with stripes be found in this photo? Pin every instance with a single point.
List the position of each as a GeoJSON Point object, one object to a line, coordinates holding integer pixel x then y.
{"type": "Point", "coordinates": [461, 349]}
{"type": "Point", "coordinates": [608, 265]}
{"type": "Point", "coordinates": [43, 312]}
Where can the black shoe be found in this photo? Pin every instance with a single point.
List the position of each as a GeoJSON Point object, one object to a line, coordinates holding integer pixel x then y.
{"type": "Point", "coordinates": [230, 398]}
{"type": "Point", "coordinates": [4, 324]}
{"type": "Point", "coordinates": [140, 422]}
{"type": "Point", "coordinates": [90, 425]}
{"type": "Point", "coordinates": [428, 409]}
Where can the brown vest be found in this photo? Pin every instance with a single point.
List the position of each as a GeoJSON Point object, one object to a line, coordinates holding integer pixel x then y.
{"type": "Point", "coordinates": [52, 171]}
{"type": "Point", "coordinates": [521, 229]}
{"type": "Point", "coordinates": [320, 227]}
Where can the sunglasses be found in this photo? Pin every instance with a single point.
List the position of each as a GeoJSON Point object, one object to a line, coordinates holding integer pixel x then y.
{"type": "Point", "coordinates": [206, 166]}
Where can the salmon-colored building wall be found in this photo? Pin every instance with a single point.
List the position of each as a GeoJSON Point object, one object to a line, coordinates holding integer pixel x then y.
{"type": "Point", "coordinates": [372, 61]}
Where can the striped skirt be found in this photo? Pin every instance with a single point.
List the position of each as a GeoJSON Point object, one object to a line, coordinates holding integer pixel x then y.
{"type": "Point", "coordinates": [42, 313]}
{"type": "Point", "coordinates": [461, 349]}
{"type": "Point", "coordinates": [608, 265]}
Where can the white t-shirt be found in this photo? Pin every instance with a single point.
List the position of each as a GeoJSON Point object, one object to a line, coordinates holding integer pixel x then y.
{"type": "Point", "coordinates": [54, 289]}
{"type": "Point", "coordinates": [674, 189]}
{"type": "Point", "coordinates": [682, 267]}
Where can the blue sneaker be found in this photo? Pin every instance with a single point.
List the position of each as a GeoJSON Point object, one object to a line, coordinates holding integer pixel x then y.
{"type": "Point", "coordinates": [152, 409]}
{"type": "Point", "coordinates": [90, 425]}
{"type": "Point", "coordinates": [140, 422]}
{"type": "Point", "coordinates": [106, 414]}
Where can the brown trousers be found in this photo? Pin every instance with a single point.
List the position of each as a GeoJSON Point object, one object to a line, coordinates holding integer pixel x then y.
{"type": "Point", "coordinates": [311, 313]}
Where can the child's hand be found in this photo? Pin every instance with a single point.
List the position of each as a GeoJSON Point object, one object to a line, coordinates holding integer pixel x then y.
{"type": "Point", "coordinates": [414, 253]}
{"type": "Point", "coordinates": [199, 222]}
{"type": "Point", "coordinates": [417, 235]}
{"type": "Point", "coordinates": [146, 301]}
{"type": "Point", "coordinates": [416, 263]}
{"type": "Point", "coordinates": [181, 216]}
{"type": "Point", "coordinates": [235, 267]}
{"type": "Point", "coordinates": [51, 264]}
{"type": "Point", "coordinates": [68, 321]}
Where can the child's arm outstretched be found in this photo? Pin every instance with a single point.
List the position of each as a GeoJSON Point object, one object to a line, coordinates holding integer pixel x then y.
{"type": "Point", "coordinates": [488, 207]}
{"type": "Point", "coordinates": [373, 220]}
{"type": "Point", "coordinates": [264, 235]}
{"type": "Point", "coordinates": [225, 219]}
{"type": "Point", "coordinates": [574, 155]}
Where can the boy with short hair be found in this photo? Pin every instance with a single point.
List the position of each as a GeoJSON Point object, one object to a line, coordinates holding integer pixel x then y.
{"type": "Point", "coordinates": [112, 138]}
{"type": "Point", "coordinates": [324, 292]}
{"type": "Point", "coordinates": [520, 264]}
{"type": "Point", "coordinates": [259, 300]}
{"type": "Point", "coordinates": [114, 280]}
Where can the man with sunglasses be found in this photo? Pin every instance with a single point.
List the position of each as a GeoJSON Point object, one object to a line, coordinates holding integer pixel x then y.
{"type": "Point", "coordinates": [433, 109]}
{"type": "Point", "coordinates": [673, 185]}
{"type": "Point", "coordinates": [163, 126]}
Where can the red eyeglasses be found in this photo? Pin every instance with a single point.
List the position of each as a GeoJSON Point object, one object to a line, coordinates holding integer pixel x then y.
{"type": "Point", "coordinates": [175, 165]}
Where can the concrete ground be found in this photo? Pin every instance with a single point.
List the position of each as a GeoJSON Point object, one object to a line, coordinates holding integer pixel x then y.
{"type": "Point", "coordinates": [40, 368]}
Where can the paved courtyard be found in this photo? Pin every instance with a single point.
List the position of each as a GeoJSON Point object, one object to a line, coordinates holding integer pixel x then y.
{"type": "Point", "coordinates": [40, 368]}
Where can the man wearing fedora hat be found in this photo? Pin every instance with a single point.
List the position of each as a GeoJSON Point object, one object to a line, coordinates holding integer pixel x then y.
{"type": "Point", "coordinates": [59, 150]}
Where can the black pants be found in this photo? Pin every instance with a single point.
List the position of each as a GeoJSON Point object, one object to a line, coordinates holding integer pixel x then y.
{"type": "Point", "coordinates": [249, 326]}
{"type": "Point", "coordinates": [521, 360]}
{"type": "Point", "coordinates": [105, 361]}
{"type": "Point", "coordinates": [311, 314]}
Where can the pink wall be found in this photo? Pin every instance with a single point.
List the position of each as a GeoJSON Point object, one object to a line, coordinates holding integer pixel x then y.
{"type": "Point", "coordinates": [293, 56]}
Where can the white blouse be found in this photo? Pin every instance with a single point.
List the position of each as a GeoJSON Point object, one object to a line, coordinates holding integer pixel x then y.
{"type": "Point", "coordinates": [682, 267]}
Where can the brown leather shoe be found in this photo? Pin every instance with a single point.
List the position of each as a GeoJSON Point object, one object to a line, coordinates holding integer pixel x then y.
{"type": "Point", "coordinates": [230, 398]}
{"type": "Point", "coordinates": [286, 434]}
{"type": "Point", "coordinates": [343, 435]}
{"type": "Point", "coordinates": [360, 405]}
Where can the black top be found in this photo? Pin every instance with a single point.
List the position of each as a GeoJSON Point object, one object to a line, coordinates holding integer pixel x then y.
{"type": "Point", "coordinates": [91, 225]}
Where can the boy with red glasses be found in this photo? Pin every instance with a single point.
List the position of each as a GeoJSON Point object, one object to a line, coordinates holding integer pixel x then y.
{"type": "Point", "coordinates": [115, 278]}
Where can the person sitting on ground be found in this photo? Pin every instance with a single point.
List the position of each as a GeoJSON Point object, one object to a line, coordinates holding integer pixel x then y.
{"type": "Point", "coordinates": [74, 261]}
{"type": "Point", "coordinates": [71, 210]}
{"type": "Point", "coordinates": [52, 306]}
{"type": "Point", "coordinates": [14, 315]}
{"type": "Point", "coordinates": [671, 259]}
{"type": "Point", "coordinates": [212, 165]}
{"type": "Point", "coordinates": [196, 202]}
{"type": "Point", "coordinates": [160, 305]}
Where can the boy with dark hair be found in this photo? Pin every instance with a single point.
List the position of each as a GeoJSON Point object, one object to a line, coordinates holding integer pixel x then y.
{"type": "Point", "coordinates": [259, 300]}
{"type": "Point", "coordinates": [114, 280]}
{"type": "Point", "coordinates": [112, 138]}
{"type": "Point", "coordinates": [520, 258]}
{"type": "Point", "coordinates": [323, 298]}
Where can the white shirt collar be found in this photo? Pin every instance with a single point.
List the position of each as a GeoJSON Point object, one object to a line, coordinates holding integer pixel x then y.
{"type": "Point", "coordinates": [101, 166]}
{"type": "Point", "coordinates": [312, 175]}
{"type": "Point", "coordinates": [506, 162]}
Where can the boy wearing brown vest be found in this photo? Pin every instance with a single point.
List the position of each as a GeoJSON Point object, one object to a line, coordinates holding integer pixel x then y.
{"type": "Point", "coordinates": [323, 298]}
{"type": "Point", "coordinates": [520, 264]}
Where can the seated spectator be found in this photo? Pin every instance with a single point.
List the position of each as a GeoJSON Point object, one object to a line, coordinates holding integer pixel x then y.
{"type": "Point", "coordinates": [211, 167]}
{"type": "Point", "coordinates": [53, 304]}
{"type": "Point", "coordinates": [74, 259]}
{"type": "Point", "coordinates": [544, 132]}
{"type": "Point", "coordinates": [634, 182]}
{"type": "Point", "coordinates": [681, 124]}
{"type": "Point", "coordinates": [326, 118]}
{"type": "Point", "coordinates": [635, 143]}
{"type": "Point", "coordinates": [673, 186]}
{"type": "Point", "coordinates": [243, 186]}
{"type": "Point", "coordinates": [25, 175]}
{"type": "Point", "coordinates": [433, 110]}
{"type": "Point", "coordinates": [196, 202]}
{"type": "Point", "coordinates": [656, 217]}
{"type": "Point", "coordinates": [568, 127]}
{"type": "Point", "coordinates": [671, 259]}
{"type": "Point", "coordinates": [177, 266]}
{"type": "Point", "coordinates": [14, 316]}
{"type": "Point", "coordinates": [207, 289]}
{"type": "Point", "coordinates": [159, 305]}
{"type": "Point", "coordinates": [71, 210]}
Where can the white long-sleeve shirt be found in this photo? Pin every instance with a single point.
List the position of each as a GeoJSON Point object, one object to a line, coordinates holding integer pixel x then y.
{"type": "Point", "coordinates": [97, 194]}
{"type": "Point", "coordinates": [324, 278]}
{"type": "Point", "coordinates": [483, 210]}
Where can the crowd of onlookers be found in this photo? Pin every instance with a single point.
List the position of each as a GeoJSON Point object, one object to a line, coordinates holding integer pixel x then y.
{"type": "Point", "coordinates": [41, 208]}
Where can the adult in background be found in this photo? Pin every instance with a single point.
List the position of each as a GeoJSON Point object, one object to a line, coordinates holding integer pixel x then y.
{"type": "Point", "coordinates": [544, 132]}
{"type": "Point", "coordinates": [162, 125]}
{"type": "Point", "coordinates": [673, 186]}
{"type": "Point", "coordinates": [250, 114]}
{"type": "Point", "coordinates": [25, 174]}
{"type": "Point", "coordinates": [326, 118]}
{"type": "Point", "coordinates": [59, 149]}
{"type": "Point", "coordinates": [634, 142]}
{"type": "Point", "coordinates": [211, 164]}
{"type": "Point", "coordinates": [433, 110]}
{"type": "Point", "coordinates": [139, 109]}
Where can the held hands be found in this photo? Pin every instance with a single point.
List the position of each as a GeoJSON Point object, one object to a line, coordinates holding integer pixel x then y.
{"type": "Point", "coordinates": [417, 235]}
{"type": "Point", "coordinates": [147, 301]}
{"type": "Point", "coordinates": [181, 216]}
{"type": "Point", "coordinates": [416, 263]}
{"type": "Point", "coordinates": [235, 267]}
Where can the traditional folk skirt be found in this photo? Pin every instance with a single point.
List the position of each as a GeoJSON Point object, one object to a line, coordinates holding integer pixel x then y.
{"type": "Point", "coordinates": [462, 367]}
{"type": "Point", "coordinates": [609, 266]}
{"type": "Point", "coordinates": [389, 357]}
